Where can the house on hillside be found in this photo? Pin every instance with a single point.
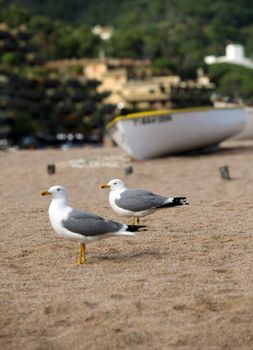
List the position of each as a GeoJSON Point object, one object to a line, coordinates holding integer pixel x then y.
{"type": "Point", "coordinates": [234, 55]}
{"type": "Point", "coordinates": [133, 86]}
{"type": "Point", "coordinates": [105, 33]}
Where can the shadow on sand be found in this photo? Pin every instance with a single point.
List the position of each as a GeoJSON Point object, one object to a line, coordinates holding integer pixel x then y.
{"type": "Point", "coordinates": [121, 257]}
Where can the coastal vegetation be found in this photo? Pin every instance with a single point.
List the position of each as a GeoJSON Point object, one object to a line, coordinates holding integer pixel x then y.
{"type": "Point", "coordinates": [174, 35]}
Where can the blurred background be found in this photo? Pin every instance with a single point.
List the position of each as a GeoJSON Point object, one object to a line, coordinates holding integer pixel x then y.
{"type": "Point", "coordinates": [69, 67]}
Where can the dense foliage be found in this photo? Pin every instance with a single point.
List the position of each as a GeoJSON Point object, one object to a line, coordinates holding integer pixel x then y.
{"type": "Point", "coordinates": [44, 106]}
{"type": "Point", "coordinates": [36, 105]}
{"type": "Point", "coordinates": [176, 35]}
{"type": "Point", "coordinates": [233, 82]}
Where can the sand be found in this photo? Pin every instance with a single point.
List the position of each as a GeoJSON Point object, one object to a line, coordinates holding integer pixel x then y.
{"type": "Point", "coordinates": [185, 283]}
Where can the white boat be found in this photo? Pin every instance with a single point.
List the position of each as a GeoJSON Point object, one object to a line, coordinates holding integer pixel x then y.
{"type": "Point", "coordinates": [247, 131]}
{"type": "Point", "coordinates": [153, 134]}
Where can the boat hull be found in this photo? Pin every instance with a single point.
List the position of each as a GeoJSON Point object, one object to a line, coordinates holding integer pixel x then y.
{"type": "Point", "coordinates": [154, 134]}
{"type": "Point", "coordinates": [247, 132]}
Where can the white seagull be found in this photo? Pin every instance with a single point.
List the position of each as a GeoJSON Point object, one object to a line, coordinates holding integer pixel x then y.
{"type": "Point", "coordinates": [81, 226]}
{"type": "Point", "coordinates": [136, 203]}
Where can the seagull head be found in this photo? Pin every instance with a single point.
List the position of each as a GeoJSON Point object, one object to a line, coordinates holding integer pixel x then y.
{"type": "Point", "coordinates": [114, 185]}
{"type": "Point", "coordinates": [56, 192]}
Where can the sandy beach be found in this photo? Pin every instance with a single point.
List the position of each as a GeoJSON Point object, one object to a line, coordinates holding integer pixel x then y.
{"type": "Point", "coordinates": [184, 283]}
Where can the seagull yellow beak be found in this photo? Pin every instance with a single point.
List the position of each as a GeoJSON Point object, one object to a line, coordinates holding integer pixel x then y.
{"type": "Point", "coordinates": [104, 186]}
{"type": "Point", "coordinates": [45, 193]}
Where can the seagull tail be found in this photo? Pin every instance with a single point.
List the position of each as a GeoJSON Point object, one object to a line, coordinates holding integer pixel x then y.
{"type": "Point", "coordinates": [134, 228]}
{"type": "Point", "coordinates": [129, 230]}
{"type": "Point", "coordinates": [174, 202]}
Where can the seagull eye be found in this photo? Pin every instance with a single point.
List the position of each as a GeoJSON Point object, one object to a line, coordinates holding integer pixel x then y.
{"type": "Point", "coordinates": [115, 183]}
{"type": "Point", "coordinates": [58, 189]}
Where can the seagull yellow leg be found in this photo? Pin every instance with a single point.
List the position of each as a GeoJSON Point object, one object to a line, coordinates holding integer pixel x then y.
{"type": "Point", "coordinates": [84, 261]}
{"type": "Point", "coordinates": [79, 261]}
{"type": "Point", "coordinates": [135, 221]}
{"type": "Point", "coordinates": [82, 258]}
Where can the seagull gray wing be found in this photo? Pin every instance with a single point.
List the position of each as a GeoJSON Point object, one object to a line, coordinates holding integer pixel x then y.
{"type": "Point", "coordinates": [88, 224]}
{"type": "Point", "coordinates": [138, 200]}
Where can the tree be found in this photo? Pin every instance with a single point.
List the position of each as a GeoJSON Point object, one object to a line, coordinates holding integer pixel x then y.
{"type": "Point", "coordinates": [233, 81]}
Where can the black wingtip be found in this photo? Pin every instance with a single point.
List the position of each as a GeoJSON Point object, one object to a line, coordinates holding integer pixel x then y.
{"type": "Point", "coordinates": [135, 228]}
{"type": "Point", "coordinates": [175, 202]}
{"type": "Point", "coordinates": [181, 200]}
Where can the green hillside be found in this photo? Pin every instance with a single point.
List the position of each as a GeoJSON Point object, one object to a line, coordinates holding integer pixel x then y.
{"type": "Point", "coordinates": [175, 35]}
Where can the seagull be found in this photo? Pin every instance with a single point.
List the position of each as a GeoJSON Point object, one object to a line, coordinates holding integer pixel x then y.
{"type": "Point", "coordinates": [78, 225]}
{"type": "Point", "coordinates": [136, 203]}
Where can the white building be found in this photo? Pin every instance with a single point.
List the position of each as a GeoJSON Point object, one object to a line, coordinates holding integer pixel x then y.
{"type": "Point", "coordinates": [105, 33]}
{"type": "Point", "coordinates": [234, 55]}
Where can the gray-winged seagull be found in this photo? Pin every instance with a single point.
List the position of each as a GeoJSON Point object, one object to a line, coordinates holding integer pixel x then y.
{"type": "Point", "coordinates": [81, 226]}
{"type": "Point", "coordinates": [136, 203]}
